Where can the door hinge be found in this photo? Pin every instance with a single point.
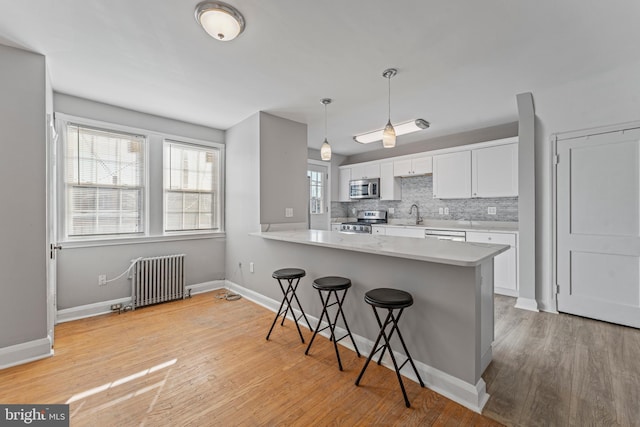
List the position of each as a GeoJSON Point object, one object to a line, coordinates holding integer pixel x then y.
{"type": "Point", "coordinates": [557, 289]}
{"type": "Point", "coordinates": [556, 159]}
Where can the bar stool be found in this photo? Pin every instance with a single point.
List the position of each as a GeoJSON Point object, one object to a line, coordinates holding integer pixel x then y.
{"type": "Point", "coordinates": [332, 284]}
{"type": "Point", "coordinates": [292, 276]}
{"type": "Point", "coordinates": [390, 299]}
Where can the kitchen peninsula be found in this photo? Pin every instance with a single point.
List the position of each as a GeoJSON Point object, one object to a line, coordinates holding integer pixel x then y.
{"type": "Point", "coordinates": [449, 329]}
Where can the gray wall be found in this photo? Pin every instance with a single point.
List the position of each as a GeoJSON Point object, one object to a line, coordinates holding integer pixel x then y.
{"type": "Point", "coordinates": [79, 267]}
{"type": "Point", "coordinates": [419, 190]}
{"type": "Point", "coordinates": [246, 165]}
{"type": "Point", "coordinates": [283, 177]}
{"type": "Point", "coordinates": [23, 257]}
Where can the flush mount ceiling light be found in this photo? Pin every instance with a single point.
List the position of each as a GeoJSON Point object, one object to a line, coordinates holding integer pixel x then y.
{"type": "Point", "coordinates": [400, 129]}
{"type": "Point", "coordinates": [220, 20]}
{"type": "Point", "coordinates": [325, 150]}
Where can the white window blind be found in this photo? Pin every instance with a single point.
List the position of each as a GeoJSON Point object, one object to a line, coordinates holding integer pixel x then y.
{"type": "Point", "coordinates": [191, 187]}
{"type": "Point", "coordinates": [104, 182]}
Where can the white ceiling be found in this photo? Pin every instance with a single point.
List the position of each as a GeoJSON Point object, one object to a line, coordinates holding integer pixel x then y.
{"type": "Point", "coordinates": [460, 62]}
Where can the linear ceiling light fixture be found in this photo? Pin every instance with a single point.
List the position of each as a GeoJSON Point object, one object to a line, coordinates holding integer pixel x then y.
{"type": "Point", "coordinates": [220, 20]}
{"type": "Point", "coordinates": [400, 129]}
{"type": "Point", "coordinates": [325, 150]}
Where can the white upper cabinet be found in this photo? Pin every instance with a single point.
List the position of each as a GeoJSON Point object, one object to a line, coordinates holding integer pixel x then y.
{"type": "Point", "coordinates": [390, 188]}
{"type": "Point", "coordinates": [495, 171]}
{"type": "Point", "coordinates": [365, 170]}
{"type": "Point", "coordinates": [413, 167]}
{"type": "Point", "coordinates": [344, 176]}
{"type": "Point", "coordinates": [452, 175]}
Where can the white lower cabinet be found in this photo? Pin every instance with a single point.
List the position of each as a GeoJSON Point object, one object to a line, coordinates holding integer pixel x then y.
{"type": "Point", "coordinates": [405, 232]}
{"type": "Point", "coordinates": [505, 265]}
{"type": "Point", "coordinates": [378, 229]}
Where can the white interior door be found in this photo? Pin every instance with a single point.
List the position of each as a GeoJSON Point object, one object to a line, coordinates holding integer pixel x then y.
{"type": "Point", "coordinates": [319, 202]}
{"type": "Point", "coordinates": [598, 227]}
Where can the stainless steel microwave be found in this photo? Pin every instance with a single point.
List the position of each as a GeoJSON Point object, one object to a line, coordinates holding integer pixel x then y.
{"type": "Point", "coordinates": [364, 189]}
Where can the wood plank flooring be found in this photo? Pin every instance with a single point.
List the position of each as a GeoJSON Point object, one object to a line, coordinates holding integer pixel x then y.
{"type": "Point", "coordinates": [562, 370]}
{"type": "Point", "coordinates": [205, 362]}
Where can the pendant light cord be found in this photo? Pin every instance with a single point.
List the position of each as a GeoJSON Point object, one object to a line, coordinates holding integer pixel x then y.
{"type": "Point", "coordinates": [325, 121]}
{"type": "Point", "coordinates": [389, 78]}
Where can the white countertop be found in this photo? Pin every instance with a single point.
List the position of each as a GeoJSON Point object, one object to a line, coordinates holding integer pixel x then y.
{"type": "Point", "coordinates": [463, 254]}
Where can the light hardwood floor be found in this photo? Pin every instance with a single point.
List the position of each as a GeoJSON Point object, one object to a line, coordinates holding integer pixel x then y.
{"type": "Point", "coordinates": [205, 362]}
{"type": "Point", "coordinates": [561, 370]}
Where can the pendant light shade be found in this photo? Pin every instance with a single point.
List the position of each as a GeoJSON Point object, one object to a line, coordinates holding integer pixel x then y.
{"type": "Point", "coordinates": [389, 134]}
{"type": "Point", "coordinates": [220, 20]}
{"type": "Point", "coordinates": [325, 150]}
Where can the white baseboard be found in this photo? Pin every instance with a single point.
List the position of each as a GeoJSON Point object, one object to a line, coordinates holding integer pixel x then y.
{"type": "Point", "coordinates": [471, 396]}
{"type": "Point", "coordinates": [25, 352]}
{"type": "Point", "coordinates": [505, 291]}
{"type": "Point", "coordinates": [526, 304]}
{"type": "Point", "coordinates": [203, 287]}
{"type": "Point", "coordinates": [104, 307]}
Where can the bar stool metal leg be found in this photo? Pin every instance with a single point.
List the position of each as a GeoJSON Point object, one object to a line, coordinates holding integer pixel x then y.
{"type": "Point", "coordinates": [289, 295]}
{"type": "Point", "coordinates": [332, 285]}
{"type": "Point", "coordinates": [390, 299]}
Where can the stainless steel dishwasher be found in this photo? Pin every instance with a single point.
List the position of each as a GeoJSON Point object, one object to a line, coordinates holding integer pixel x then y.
{"type": "Point", "coordinates": [455, 235]}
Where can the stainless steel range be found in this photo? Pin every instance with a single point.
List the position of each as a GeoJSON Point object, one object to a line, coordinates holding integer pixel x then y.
{"type": "Point", "coordinates": [364, 221]}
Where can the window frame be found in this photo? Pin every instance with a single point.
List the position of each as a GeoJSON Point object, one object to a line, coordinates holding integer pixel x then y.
{"type": "Point", "coordinates": [218, 200]}
{"type": "Point", "coordinates": [153, 198]}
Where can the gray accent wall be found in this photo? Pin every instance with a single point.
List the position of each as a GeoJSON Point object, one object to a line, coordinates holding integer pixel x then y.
{"type": "Point", "coordinates": [23, 256]}
{"type": "Point", "coordinates": [79, 266]}
{"type": "Point", "coordinates": [419, 190]}
{"type": "Point", "coordinates": [283, 177]}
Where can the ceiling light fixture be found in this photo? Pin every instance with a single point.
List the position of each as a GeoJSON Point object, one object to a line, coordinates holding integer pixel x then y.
{"type": "Point", "coordinates": [220, 20]}
{"type": "Point", "coordinates": [325, 150]}
{"type": "Point", "coordinates": [400, 129]}
{"type": "Point", "coordinates": [389, 133]}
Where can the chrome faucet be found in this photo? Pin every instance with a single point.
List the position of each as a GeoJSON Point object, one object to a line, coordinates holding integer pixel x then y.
{"type": "Point", "coordinates": [418, 219]}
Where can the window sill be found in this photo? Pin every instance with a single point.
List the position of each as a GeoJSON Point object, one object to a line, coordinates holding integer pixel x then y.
{"type": "Point", "coordinates": [139, 240]}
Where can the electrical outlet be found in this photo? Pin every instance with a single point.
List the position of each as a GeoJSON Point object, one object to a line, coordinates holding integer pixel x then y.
{"type": "Point", "coordinates": [250, 267]}
{"type": "Point", "coordinates": [491, 210]}
{"type": "Point", "coordinates": [440, 211]}
{"type": "Point", "coordinates": [392, 211]}
{"type": "Point", "coordinates": [102, 279]}
{"type": "Point", "coordinates": [288, 212]}
{"type": "Point", "coordinates": [446, 211]}
{"type": "Point", "coordinates": [115, 307]}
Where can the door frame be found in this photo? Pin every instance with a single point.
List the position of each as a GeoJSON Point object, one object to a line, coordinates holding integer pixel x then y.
{"type": "Point", "coordinates": [51, 225]}
{"type": "Point", "coordinates": [554, 139]}
{"type": "Point", "coordinates": [327, 189]}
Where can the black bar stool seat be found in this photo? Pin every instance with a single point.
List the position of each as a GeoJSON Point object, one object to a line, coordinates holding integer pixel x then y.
{"type": "Point", "coordinates": [292, 277]}
{"type": "Point", "coordinates": [332, 285]}
{"type": "Point", "coordinates": [391, 300]}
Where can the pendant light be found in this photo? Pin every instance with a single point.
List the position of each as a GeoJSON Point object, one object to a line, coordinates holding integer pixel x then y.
{"type": "Point", "coordinates": [325, 150]}
{"type": "Point", "coordinates": [389, 133]}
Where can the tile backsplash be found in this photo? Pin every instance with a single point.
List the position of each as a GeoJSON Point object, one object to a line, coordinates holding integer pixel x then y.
{"type": "Point", "coordinates": [419, 190]}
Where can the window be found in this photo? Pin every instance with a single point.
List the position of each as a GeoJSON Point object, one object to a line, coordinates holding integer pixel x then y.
{"type": "Point", "coordinates": [191, 187]}
{"type": "Point", "coordinates": [104, 179]}
{"type": "Point", "coordinates": [316, 200]}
